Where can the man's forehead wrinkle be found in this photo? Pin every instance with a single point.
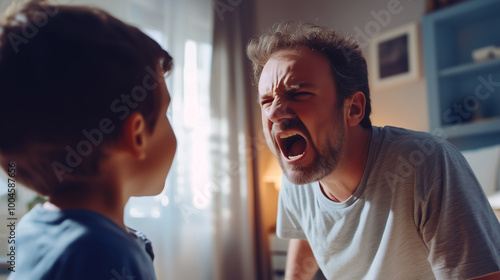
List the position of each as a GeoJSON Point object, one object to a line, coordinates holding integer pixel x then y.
{"type": "Point", "coordinates": [281, 76]}
{"type": "Point", "coordinates": [286, 76]}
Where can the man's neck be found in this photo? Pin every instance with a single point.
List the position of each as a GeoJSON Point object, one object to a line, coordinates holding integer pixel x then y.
{"type": "Point", "coordinates": [343, 181]}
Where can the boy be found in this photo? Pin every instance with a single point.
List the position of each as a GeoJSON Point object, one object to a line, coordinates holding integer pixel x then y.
{"type": "Point", "coordinates": [83, 123]}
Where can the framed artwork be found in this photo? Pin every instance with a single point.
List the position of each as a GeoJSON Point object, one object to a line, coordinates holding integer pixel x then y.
{"type": "Point", "coordinates": [395, 57]}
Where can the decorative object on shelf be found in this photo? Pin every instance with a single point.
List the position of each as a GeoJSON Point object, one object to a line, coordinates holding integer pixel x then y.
{"type": "Point", "coordinates": [433, 5]}
{"type": "Point", "coordinates": [467, 109]}
{"type": "Point", "coordinates": [394, 57]}
{"type": "Point", "coordinates": [485, 53]}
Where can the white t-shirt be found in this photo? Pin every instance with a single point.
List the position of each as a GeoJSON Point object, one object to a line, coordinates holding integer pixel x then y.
{"type": "Point", "coordinates": [418, 213]}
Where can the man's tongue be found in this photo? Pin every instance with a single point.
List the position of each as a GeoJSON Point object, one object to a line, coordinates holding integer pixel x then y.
{"type": "Point", "coordinates": [297, 146]}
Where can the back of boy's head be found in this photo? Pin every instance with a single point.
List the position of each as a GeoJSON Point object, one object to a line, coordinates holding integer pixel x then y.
{"type": "Point", "coordinates": [69, 76]}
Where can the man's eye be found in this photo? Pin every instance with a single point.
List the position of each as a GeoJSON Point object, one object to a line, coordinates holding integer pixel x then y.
{"type": "Point", "coordinates": [265, 101]}
{"type": "Point", "coordinates": [303, 95]}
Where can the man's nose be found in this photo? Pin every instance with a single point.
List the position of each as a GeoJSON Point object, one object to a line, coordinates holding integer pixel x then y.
{"type": "Point", "coordinates": [280, 112]}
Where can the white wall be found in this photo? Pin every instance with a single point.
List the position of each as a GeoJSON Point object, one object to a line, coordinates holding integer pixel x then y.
{"type": "Point", "coordinates": [404, 106]}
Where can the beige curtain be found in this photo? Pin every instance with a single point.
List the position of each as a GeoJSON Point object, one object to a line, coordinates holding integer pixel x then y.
{"type": "Point", "coordinates": [232, 156]}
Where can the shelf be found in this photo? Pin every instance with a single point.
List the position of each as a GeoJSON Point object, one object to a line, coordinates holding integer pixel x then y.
{"type": "Point", "coordinates": [481, 126]}
{"type": "Point", "coordinates": [474, 135]}
{"type": "Point", "coordinates": [458, 88]}
{"type": "Point", "coordinates": [470, 68]}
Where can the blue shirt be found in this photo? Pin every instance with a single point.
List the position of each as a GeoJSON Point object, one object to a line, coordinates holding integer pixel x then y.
{"type": "Point", "coordinates": [79, 245]}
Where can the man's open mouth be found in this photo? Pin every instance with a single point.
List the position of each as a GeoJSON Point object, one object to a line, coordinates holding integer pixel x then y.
{"type": "Point", "coordinates": [292, 145]}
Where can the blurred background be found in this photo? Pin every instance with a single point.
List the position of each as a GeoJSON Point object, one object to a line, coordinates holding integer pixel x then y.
{"type": "Point", "coordinates": [215, 218]}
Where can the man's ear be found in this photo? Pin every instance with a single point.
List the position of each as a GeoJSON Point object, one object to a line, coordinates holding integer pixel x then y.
{"type": "Point", "coordinates": [134, 135]}
{"type": "Point", "coordinates": [355, 108]}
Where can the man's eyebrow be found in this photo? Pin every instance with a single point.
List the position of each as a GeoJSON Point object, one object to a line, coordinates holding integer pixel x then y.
{"type": "Point", "coordinates": [289, 89]}
{"type": "Point", "coordinates": [295, 87]}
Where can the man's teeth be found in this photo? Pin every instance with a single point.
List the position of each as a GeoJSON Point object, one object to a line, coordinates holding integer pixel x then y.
{"type": "Point", "coordinates": [288, 134]}
{"type": "Point", "coordinates": [294, 157]}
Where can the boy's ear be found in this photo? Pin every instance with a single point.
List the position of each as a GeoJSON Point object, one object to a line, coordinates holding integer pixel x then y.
{"type": "Point", "coordinates": [355, 108]}
{"type": "Point", "coordinates": [133, 136]}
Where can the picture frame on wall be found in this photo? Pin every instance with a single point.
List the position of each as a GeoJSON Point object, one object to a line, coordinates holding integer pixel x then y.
{"type": "Point", "coordinates": [394, 56]}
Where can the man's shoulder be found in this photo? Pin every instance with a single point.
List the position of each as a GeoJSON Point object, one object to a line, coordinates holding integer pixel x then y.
{"type": "Point", "coordinates": [404, 141]}
{"type": "Point", "coordinates": [404, 135]}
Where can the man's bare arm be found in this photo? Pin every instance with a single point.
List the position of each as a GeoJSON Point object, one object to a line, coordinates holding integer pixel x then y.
{"type": "Point", "coordinates": [300, 262]}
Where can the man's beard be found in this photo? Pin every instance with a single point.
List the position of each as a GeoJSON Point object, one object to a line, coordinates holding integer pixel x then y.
{"type": "Point", "coordinates": [326, 160]}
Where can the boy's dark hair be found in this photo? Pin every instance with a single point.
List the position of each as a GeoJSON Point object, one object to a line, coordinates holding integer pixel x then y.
{"type": "Point", "coordinates": [69, 76]}
{"type": "Point", "coordinates": [344, 54]}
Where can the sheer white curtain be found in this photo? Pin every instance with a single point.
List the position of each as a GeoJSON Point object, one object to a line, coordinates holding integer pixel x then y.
{"type": "Point", "coordinates": [180, 221]}
{"type": "Point", "coordinates": [201, 225]}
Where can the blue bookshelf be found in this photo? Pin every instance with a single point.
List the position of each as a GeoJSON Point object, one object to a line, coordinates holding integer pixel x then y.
{"type": "Point", "coordinates": [470, 68]}
{"type": "Point", "coordinates": [463, 95]}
